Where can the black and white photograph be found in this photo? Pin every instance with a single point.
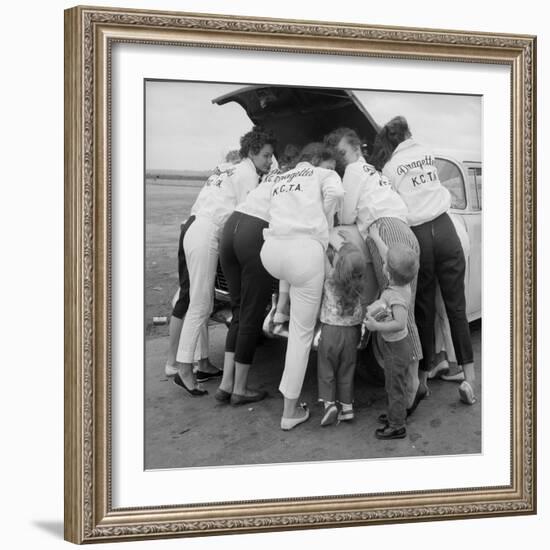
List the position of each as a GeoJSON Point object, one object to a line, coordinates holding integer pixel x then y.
{"type": "Point", "coordinates": [313, 274]}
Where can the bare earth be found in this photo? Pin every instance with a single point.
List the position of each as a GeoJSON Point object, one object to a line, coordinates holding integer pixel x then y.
{"type": "Point", "coordinates": [182, 431]}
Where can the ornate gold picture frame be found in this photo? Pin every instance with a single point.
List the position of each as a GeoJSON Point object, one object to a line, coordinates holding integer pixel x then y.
{"type": "Point", "coordinates": [90, 34]}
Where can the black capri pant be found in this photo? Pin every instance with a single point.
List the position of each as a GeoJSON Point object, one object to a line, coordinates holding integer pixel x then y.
{"type": "Point", "coordinates": [182, 305]}
{"type": "Point", "coordinates": [441, 259]}
{"type": "Point", "coordinates": [248, 282]}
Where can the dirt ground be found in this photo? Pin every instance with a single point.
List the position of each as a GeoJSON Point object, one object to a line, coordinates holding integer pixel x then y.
{"type": "Point", "coordinates": [182, 431]}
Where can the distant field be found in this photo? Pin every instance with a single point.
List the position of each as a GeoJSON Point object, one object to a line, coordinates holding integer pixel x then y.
{"type": "Point", "coordinates": [166, 206]}
{"type": "Point", "coordinates": [185, 182]}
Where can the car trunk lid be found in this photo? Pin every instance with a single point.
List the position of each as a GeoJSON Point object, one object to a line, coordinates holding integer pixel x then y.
{"type": "Point", "coordinates": [299, 115]}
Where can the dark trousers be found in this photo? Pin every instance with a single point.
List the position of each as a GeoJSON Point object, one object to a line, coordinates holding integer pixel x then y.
{"type": "Point", "coordinates": [182, 304]}
{"type": "Point", "coordinates": [249, 284]}
{"type": "Point", "coordinates": [336, 358]}
{"type": "Point", "coordinates": [441, 260]}
{"type": "Point", "coordinates": [398, 356]}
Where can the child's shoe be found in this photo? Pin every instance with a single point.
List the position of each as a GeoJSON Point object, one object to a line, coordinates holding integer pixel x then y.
{"type": "Point", "coordinates": [346, 414]}
{"type": "Point", "coordinates": [390, 433]}
{"type": "Point", "coordinates": [330, 416]}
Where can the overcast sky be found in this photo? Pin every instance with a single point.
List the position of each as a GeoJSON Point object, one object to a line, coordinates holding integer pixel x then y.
{"type": "Point", "coordinates": [186, 131]}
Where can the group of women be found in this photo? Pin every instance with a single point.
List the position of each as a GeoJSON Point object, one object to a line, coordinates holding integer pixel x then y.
{"type": "Point", "coordinates": [266, 224]}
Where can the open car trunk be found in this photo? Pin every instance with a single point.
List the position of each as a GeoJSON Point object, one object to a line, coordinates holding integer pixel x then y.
{"type": "Point", "coordinates": [301, 115]}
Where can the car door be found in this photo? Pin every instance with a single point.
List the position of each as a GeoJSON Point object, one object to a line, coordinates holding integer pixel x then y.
{"type": "Point", "coordinates": [466, 214]}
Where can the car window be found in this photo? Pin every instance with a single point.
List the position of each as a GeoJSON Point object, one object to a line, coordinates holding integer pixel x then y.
{"type": "Point", "coordinates": [475, 182]}
{"type": "Point", "coordinates": [451, 177]}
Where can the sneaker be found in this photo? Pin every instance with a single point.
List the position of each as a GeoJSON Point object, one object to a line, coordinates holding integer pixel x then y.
{"type": "Point", "coordinates": [170, 370]}
{"type": "Point", "coordinates": [346, 416]}
{"type": "Point", "coordinates": [466, 393]}
{"type": "Point", "coordinates": [331, 414]}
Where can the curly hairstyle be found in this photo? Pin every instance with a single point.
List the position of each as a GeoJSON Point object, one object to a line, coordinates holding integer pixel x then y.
{"type": "Point", "coordinates": [253, 141]}
{"type": "Point", "coordinates": [387, 139]}
{"type": "Point", "coordinates": [349, 278]}
{"type": "Point", "coordinates": [289, 158]}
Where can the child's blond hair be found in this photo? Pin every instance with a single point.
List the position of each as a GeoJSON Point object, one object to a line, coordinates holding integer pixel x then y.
{"type": "Point", "coordinates": [349, 278]}
{"type": "Point", "coordinates": [402, 263]}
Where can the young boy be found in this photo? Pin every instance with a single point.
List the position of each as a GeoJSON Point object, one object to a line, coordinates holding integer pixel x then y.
{"type": "Point", "coordinates": [400, 266]}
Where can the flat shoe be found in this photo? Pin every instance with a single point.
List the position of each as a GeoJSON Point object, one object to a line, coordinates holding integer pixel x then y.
{"type": "Point", "coordinates": [390, 433]}
{"type": "Point", "coordinates": [466, 393]}
{"type": "Point", "coordinates": [439, 369]}
{"type": "Point", "coordinates": [237, 399]}
{"type": "Point", "coordinates": [289, 423]}
{"type": "Point", "coordinates": [170, 370]}
{"type": "Point", "coordinates": [203, 376]}
{"type": "Point", "coordinates": [222, 395]}
{"type": "Point", "coordinates": [194, 392]}
{"type": "Point", "coordinates": [453, 375]}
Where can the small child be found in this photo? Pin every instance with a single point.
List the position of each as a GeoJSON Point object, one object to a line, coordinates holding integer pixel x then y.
{"type": "Point", "coordinates": [400, 266]}
{"type": "Point", "coordinates": [342, 310]}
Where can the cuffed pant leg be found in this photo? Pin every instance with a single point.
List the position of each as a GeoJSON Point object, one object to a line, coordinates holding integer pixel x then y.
{"type": "Point", "coordinates": [201, 249]}
{"type": "Point", "coordinates": [302, 265]}
{"type": "Point", "coordinates": [256, 286]}
{"type": "Point", "coordinates": [450, 267]}
{"type": "Point", "coordinates": [232, 272]}
{"type": "Point", "coordinates": [424, 309]}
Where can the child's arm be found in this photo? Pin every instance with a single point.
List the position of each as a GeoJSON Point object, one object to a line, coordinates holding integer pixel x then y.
{"type": "Point", "coordinates": [399, 321]}
{"type": "Point", "coordinates": [380, 244]}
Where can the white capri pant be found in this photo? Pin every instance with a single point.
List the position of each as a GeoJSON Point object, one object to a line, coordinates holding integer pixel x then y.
{"type": "Point", "coordinates": [201, 246]}
{"type": "Point", "coordinates": [301, 263]}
